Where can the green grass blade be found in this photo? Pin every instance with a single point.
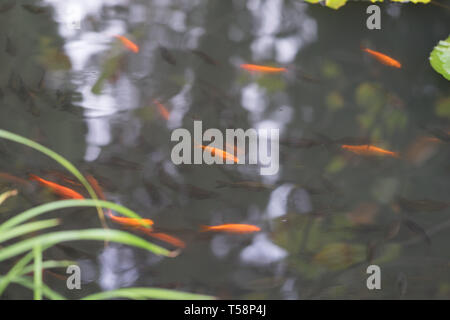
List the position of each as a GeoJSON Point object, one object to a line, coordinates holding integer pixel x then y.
{"type": "Point", "coordinates": [25, 282]}
{"type": "Point", "coordinates": [50, 239]}
{"type": "Point", "coordinates": [49, 264]}
{"type": "Point", "coordinates": [7, 195]}
{"type": "Point", "coordinates": [27, 228]}
{"type": "Point", "coordinates": [58, 158]}
{"type": "Point", "coordinates": [147, 293]}
{"type": "Point", "coordinates": [14, 271]}
{"type": "Point", "coordinates": [33, 212]}
{"type": "Point", "coordinates": [37, 253]}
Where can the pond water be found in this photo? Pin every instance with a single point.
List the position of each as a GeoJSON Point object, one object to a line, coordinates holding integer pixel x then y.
{"type": "Point", "coordinates": [325, 216]}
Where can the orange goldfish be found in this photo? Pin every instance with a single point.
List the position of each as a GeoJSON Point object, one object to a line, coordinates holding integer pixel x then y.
{"type": "Point", "coordinates": [62, 191]}
{"type": "Point", "coordinates": [131, 222]}
{"type": "Point", "coordinates": [384, 59]}
{"type": "Point", "coordinates": [368, 150]}
{"type": "Point", "coordinates": [164, 237]}
{"type": "Point", "coordinates": [128, 43]}
{"type": "Point", "coordinates": [162, 109]}
{"type": "Point", "coordinates": [223, 154]}
{"type": "Point", "coordinates": [258, 68]}
{"type": "Point", "coordinates": [232, 228]}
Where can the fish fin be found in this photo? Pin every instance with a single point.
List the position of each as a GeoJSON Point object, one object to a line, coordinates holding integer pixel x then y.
{"type": "Point", "coordinates": [204, 228]}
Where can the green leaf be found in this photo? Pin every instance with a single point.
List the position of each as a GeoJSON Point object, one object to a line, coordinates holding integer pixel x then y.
{"type": "Point", "coordinates": [37, 252]}
{"type": "Point", "coordinates": [49, 264]}
{"type": "Point", "coordinates": [7, 195]}
{"type": "Point", "coordinates": [440, 58]}
{"type": "Point", "coordinates": [413, 1]}
{"type": "Point", "coordinates": [147, 293]}
{"type": "Point", "coordinates": [27, 228]}
{"type": "Point", "coordinates": [27, 283]}
{"type": "Point", "coordinates": [61, 204]}
{"type": "Point", "coordinates": [14, 271]}
{"type": "Point", "coordinates": [51, 239]}
{"type": "Point", "coordinates": [335, 4]}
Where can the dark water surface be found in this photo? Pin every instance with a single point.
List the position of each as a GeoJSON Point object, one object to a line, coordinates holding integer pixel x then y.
{"type": "Point", "coordinates": [327, 212]}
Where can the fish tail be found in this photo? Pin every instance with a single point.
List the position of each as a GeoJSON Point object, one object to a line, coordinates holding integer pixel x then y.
{"type": "Point", "coordinates": [205, 228]}
{"type": "Point", "coordinates": [33, 177]}
{"type": "Point", "coordinates": [109, 214]}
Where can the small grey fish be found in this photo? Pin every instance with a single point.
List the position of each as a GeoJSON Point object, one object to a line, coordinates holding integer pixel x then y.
{"type": "Point", "coordinates": [205, 57]}
{"type": "Point", "coordinates": [41, 82]}
{"type": "Point", "coordinates": [414, 227]}
{"type": "Point", "coordinates": [33, 109]}
{"type": "Point", "coordinates": [371, 251]}
{"type": "Point", "coordinates": [402, 284]}
{"type": "Point", "coordinates": [249, 185]}
{"type": "Point", "coordinates": [198, 193]}
{"type": "Point", "coordinates": [393, 230]}
{"type": "Point", "coordinates": [167, 56]}
{"type": "Point", "coordinates": [421, 205]}
{"type": "Point", "coordinates": [34, 9]}
{"type": "Point", "coordinates": [443, 135]}
{"type": "Point", "coordinates": [13, 82]}
{"type": "Point", "coordinates": [22, 92]}
{"type": "Point", "coordinates": [10, 47]}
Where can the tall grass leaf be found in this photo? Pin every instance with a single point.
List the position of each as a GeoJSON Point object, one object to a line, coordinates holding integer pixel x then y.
{"type": "Point", "coordinates": [49, 264]}
{"type": "Point", "coordinates": [147, 293]}
{"type": "Point", "coordinates": [27, 283]}
{"type": "Point", "coordinates": [15, 271]}
{"type": "Point", "coordinates": [61, 204]}
{"type": "Point", "coordinates": [7, 195]}
{"type": "Point", "coordinates": [27, 228]}
{"type": "Point", "coordinates": [50, 239]}
{"type": "Point", "coordinates": [37, 253]}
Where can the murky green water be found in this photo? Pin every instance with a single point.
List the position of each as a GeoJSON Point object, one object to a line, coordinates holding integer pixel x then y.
{"type": "Point", "coordinates": [326, 215]}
